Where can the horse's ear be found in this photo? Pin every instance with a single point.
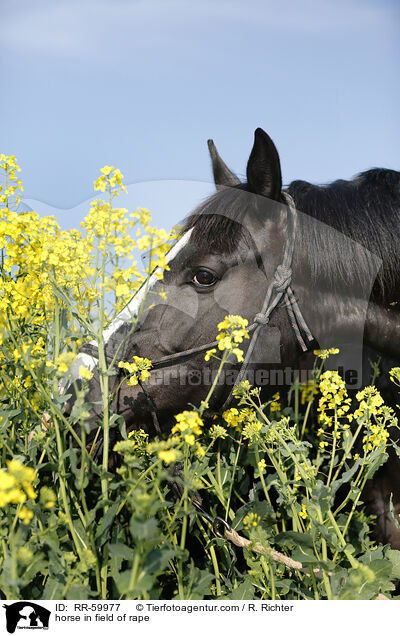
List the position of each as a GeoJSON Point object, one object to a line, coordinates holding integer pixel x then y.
{"type": "Point", "coordinates": [264, 168]}
{"type": "Point", "coordinates": [223, 177]}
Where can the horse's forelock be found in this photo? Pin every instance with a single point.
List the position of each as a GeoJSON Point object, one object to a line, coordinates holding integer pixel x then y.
{"type": "Point", "coordinates": [219, 224]}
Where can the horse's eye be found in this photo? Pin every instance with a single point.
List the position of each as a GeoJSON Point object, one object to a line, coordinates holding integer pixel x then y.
{"type": "Point", "coordinates": [204, 278]}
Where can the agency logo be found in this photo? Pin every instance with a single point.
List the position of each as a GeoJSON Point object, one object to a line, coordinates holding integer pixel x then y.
{"type": "Point", "coordinates": [26, 615]}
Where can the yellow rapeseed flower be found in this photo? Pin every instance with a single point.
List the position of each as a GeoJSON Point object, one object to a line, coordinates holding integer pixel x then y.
{"type": "Point", "coordinates": [275, 404]}
{"type": "Point", "coordinates": [303, 512]}
{"type": "Point", "coordinates": [85, 373]}
{"type": "Point", "coordinates": [394, 375]}
{"type": "Point", "coordinates": [325, 353]}
{"type": "Point", "coordinates": [209, 354]}
{"type": "Point", "coordinates": [188, 421]}
{"type": "Point", "coordinates": [217, 431]}
{"type": "Point", "coordinates": [370, 401]}
{"type": "Point", "coordinates": [25, 514]}
{"type": "Point", "coordinates": [167, 456]}
{"type": "Point", "coordinates": [252, 430]}
{"type": "Point", "coordinates": [235, 418]}
{"type": "Point", "coordinates": [48, 497]}
{"type": "Point", "coordinates": [334, 399]}
{"type": "Point", "coordinates": [200, 451]}
{"type": "Point", "coordinates": [232, 332]}
{"type": "Point", "coordinates": [20, 472]}
{"type": "Point", "coordinates": [64, 362]}
{"type": "Point", "coordinates": [261, 465]}
{"type": "Point", "coordinates": [139, 369]}
{"type": "Point", "coordinates": [121, 289]}
{"type": "Point", "coordinates": [16, 483]}
{"type": "Point", "coordinates": [251, 520]}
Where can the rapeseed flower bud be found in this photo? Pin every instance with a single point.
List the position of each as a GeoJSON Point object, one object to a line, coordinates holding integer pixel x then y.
{"type": "Point", "coordinates": [139, 369]}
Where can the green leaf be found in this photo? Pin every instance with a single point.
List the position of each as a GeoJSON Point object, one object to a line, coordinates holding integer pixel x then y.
{"type": "Point", "coordinates": [197, 583]}
{"type": "Point", "coordinates": [376, 460]}
{"type": "Point", "coordinates": [292, 539]}
{"type": "Point", "coordinates": [105, 525]}
{"type": "Point", "coordinates": [394, 558]}
{"type": "Point", "coordinates": [157, 560]}
{"type": "Point", "coordinates": [243, 592]}
{"type": "Point", "coordinates": [121, 551]}
{"type": "Point", "coordinates": [54, 587]}
{"type": "Point", "coordinates": [346, 477]}
{"type": "Point", "coordinates": [143, 530]}
{"type": "Point", "coordinates": [393, 513]}
{"type": "Point", "coordinates": [78, 592]}
{"type": "Point", "coordinates": [38, 564]}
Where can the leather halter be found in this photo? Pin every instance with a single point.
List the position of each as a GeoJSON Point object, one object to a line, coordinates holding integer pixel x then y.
{"type": "Point", "coordinates": [279, 289]}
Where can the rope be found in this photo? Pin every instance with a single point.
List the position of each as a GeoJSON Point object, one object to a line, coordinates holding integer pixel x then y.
{"type": "Point", "coordinates": [241, 542]}
{"type": "Point", "coordinates": [282, 278]}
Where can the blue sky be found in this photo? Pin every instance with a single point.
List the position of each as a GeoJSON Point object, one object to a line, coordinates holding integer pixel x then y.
{"type": "Point", "coordinates": [142, 84]}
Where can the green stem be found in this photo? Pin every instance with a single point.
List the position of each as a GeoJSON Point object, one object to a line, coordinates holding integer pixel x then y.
{"type": "Point", "coordinates": [216, 570]}
{"type": "Point", "coordinates": [340, 536]}
{"type": "Point", "coordinates": [314, 584]}
{"type": "Point", "coordinates": [325, 576]}
{"type": "Point", "coordinates": [103, 370]}
{"type": "Point", "coordinates": [184, 525]}
{"type": "Point", "coordinates": [353, 486]}
{"type": "Point", "coordinates": [232, 480]}
{"type": "Point", "coordinates": [284, 444]}
{"type": "Point", "coordinates": [205, 403]}
{"type": "Point", "coordinates": [348, 451]}
{"type": "Point", "coordinates": [333, 453]}
{"type": "Point", "coordinates": [134, 571]}
{"type": "Point", "coordinates": [310, 401]}
{"type": "Point", "coordinates": [354, 506]}
{"type": "Point", "coordinates": [296, 403]}
{"type": "Point", "coordinates": [64, 496]}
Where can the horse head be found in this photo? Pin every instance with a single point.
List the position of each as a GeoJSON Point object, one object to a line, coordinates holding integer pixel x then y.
{"type": "Point", "coordinates": [226, 262]}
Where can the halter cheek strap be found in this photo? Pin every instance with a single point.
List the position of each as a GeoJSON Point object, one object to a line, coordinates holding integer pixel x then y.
{"type": "Point", "coordinates": [279, 289]}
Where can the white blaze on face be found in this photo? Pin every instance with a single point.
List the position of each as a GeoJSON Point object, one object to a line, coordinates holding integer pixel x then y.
{"type": "Point", "coordinates": [132, 309]}
{"type": "Point", "coordinates": [126, 315]}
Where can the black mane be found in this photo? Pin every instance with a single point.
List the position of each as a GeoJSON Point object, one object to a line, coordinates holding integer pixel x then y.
{"type": "Point", "coordinates": [366, 209]}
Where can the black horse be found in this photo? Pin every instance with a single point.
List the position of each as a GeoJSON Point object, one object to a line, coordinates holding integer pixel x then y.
{"type": "Point", "coordinates": [320, 260]}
